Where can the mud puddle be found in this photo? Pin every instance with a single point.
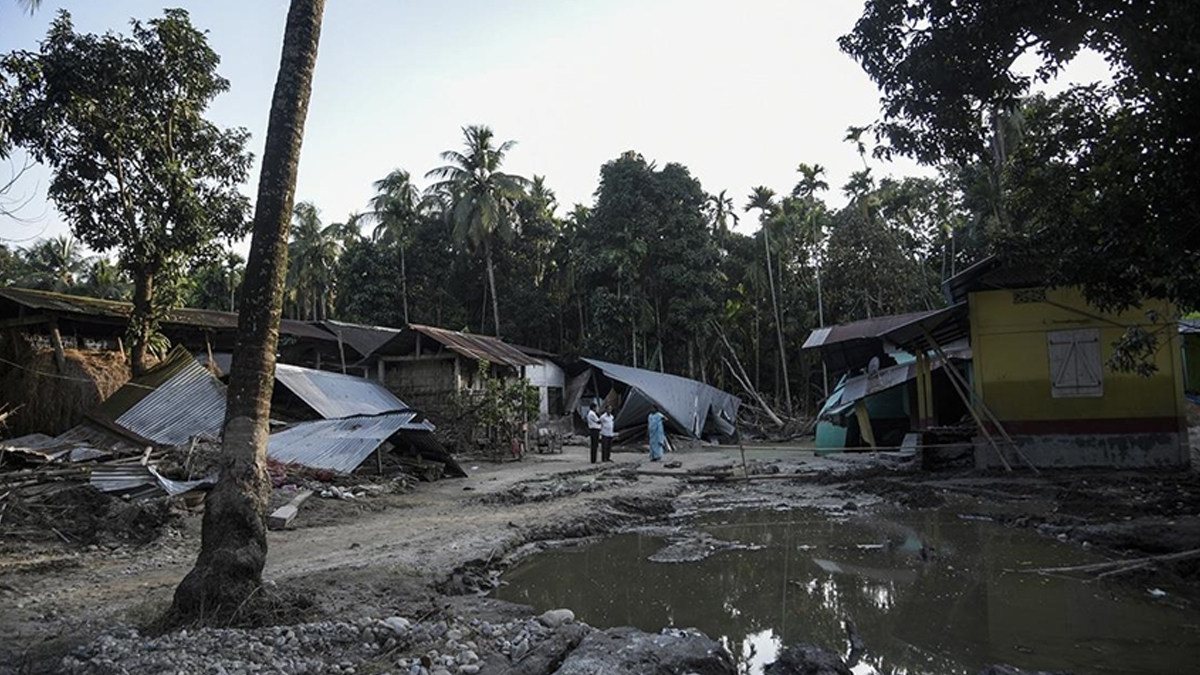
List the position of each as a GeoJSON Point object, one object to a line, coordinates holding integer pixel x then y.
{"type": "Point", "coordinates": [930, 592]}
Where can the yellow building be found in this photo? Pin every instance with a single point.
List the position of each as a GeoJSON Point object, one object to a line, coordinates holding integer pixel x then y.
{"type": "Point", "coordinates": [1041, 366]}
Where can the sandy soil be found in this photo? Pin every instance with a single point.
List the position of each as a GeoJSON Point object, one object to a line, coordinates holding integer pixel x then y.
{"type": "Point", "coordinates": [410, 553]}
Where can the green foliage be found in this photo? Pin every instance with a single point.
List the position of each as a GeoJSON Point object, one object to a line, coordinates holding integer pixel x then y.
{"type": "Point", "coordinates": [136, 167]}
{"type": "Point", "coordinates": [506, 404]}
{"type": "Point", "coordinates": [214, 283]}
{"type": "Point", "coordinates": [648, 244]}
{"type": "Point", "coordinates": [312, 264]}
{"type": "Point", "coordinates": [1099, 189]}
{"type": "Point", "coordinates": [477, 199]}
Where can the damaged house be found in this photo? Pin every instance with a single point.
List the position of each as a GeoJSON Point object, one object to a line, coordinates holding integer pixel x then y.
{"type": "Point", "coordinates": [692, 408]}
{"type": "Point", "coordinates": [1039, 389]}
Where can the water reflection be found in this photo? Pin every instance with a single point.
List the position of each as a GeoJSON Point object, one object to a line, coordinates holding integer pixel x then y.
{"type": "Point", "coordinates": [928, 591]}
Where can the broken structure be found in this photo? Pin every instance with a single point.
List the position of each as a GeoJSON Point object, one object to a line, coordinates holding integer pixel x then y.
{"type": "Point", "coordinates": [1039, 389]}
{"type": "Point", "coordinates": [692, 408]}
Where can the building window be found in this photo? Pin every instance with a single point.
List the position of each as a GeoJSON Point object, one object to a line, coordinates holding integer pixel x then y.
{"type": "Point", "coordinates": [1076, 369]}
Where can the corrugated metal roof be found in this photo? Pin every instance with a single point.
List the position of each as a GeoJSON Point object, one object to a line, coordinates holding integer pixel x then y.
{"type": "Point", "coordinates": [861, 330]}
{"type": "Point", "coordinates": [992, 273]}
{"type": "Point", "coordinates": [113, 309]}
{"type": "Point", "coordinates": [478, 347]}
{"type": "Point", "coordinates": [142, 481]}
{"type": "Point", "coordinates": [335, 395]}
{"type": "Point", "coordinates": [342, 444]}
{"type": "Point", "coordinates": [690, 404]}
{"type": "Point", "coordinates": [172, 403]}
{"type": "Point", "coordinates": [362, 339]}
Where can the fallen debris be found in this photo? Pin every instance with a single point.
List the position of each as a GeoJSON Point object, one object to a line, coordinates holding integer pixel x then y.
{"type": "Point", "coordinates": [1116, 566]}
{"type": "Point", "coordinates": [284, 515]}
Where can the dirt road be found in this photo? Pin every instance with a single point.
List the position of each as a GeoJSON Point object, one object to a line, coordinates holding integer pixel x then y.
{"type": "Point", "coordinates": [383, 553]}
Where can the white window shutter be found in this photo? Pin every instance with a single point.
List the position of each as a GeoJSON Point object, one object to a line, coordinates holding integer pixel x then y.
{"type": "Point", "coordinates": [1076, 367]}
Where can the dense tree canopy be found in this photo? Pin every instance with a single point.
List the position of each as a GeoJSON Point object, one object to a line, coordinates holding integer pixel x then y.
{"type": "Point", "coordinates": [136, 167]}
{"type": "Point", "coordinates": [1099, 185]}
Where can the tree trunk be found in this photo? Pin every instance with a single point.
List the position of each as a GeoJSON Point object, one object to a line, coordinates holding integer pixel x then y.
{"type": "Point", "coordinates": [787, 387]}
{"type": "Point", "coordinates": [233, 541]}
{"type": "Point", "coordinates": [487, 249]}
{"type": "Point", "coordinates": [403, 284]}
{"type": "Point", "coordinates": [141, 322]}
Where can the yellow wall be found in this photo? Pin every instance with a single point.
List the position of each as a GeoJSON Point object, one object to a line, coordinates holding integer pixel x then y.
{"type": "Point", "coordinates": [1012, 361]}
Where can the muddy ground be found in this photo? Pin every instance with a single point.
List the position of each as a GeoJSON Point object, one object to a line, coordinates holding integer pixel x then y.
{"type": "Point", "coordinates": [426, 550]}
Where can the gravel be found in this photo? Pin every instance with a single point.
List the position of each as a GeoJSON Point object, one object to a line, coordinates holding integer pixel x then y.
{"type": "Point", "coordinates": [393, 644]}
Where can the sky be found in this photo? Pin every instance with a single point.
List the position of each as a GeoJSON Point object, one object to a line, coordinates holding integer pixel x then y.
{"type": "Point", "coordinates": [739, 92]}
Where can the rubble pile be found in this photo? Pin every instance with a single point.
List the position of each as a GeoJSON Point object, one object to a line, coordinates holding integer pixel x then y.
{"type": "Point", "coordinates": [395, 644]}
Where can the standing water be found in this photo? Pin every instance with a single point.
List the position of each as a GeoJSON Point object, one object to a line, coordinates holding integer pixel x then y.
{"type": "Point", "coordinates": [929, 592]}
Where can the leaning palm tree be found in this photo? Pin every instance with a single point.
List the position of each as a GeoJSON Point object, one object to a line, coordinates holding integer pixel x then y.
{"type": "Point", "coordinates": [396, 208]}
{"type": "Point", "coordinates": [763, 199]}
{"type": "Point", "coordinates": [233, 540]}
{"type": "Point", "coordinates": [479, 200]}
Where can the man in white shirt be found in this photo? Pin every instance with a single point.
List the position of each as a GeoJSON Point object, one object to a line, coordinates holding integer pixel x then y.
{"type": "Point", "coordinates": [606, 435]}
{"type": "Point", "coordinates": [593, 422]}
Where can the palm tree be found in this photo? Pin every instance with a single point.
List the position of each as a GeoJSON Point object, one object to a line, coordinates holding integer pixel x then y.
{"type": "Point", "coordinates": [811, 182]}
{"type": "Point", "coordinates": [720, 211]}
{"type": "Point", "coordinates": [55, 264]}
{"type": "Point", "coordinates": [479, 200]}
{"type": "Point", "coordinates": [348, 232]}
{"type": "Point", "coordinates": [105, 280]}
{"type": "Point", "coordinates": [855, 135]}
{"type": "Point", "coordinates": [763, 199]}
{"type": "Point", "coordinates": [858, 190]}
{"type": "Point", "coordinates": [313, 254]}
{"type": "Point", "coordinates": [233, 541]}
{"type": "Point", "coordinates": [396, 208]}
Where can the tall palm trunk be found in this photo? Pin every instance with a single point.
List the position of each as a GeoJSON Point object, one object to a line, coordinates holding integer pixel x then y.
{"type": "Point", "coordinates": [233, 541]}
{"type": "Point", "coordinates": [487, 251]}
{"type": "Point", "coordinates": [787, 387]}
{"type": "Point", "coordinates": [403, 284]}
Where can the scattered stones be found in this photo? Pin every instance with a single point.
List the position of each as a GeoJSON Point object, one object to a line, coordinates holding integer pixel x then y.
{"type": "Point", "coordinates": [557, 617]}
{"type": "Point", "coordinates": [628, 650]}
{"type": "Point", "coordinates": [447, 646]}
{"type": "Point", "coordinates": [804, 659]}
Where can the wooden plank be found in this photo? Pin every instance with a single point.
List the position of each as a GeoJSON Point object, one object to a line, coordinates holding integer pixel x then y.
{"type": "Point", "coordinates": [284, 515]}
{"type": "Point", "coordinates": [32, 320]}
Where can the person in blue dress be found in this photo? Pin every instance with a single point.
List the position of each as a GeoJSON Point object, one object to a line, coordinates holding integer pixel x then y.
{"type": "Point", "coordinates": [658, 436]}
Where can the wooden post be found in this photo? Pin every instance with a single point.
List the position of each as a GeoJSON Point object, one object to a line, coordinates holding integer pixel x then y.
{"type": "Point", "coordinates": [341, 352]}
{"type": "Point", "coordinates": [922, 413]}
{"type": "Point", "coordinates": [969, 397]}
{"type": "Point", "coordinates": [60, 355]}
{"type": "Point", "coordinates": [930, 413]}
{"type": "Point", "coordinates": [864, 422]}
{"type": "Point", "coordinates": [212, 364]}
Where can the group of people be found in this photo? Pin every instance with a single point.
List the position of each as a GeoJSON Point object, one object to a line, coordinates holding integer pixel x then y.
{"type": "Point", "coordinates": [600, 429]}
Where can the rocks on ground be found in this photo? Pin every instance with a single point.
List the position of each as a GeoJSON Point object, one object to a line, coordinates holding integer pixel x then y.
{"type": "Point", "coordinates": [806, 659]}
{"type": "Point", "coordinates": [551, 643]}
{"type": "Point", "coordinates": [628, 650]}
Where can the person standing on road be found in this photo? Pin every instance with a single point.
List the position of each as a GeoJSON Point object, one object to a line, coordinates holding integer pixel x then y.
{"type": "Point", "coordinates": [593, 423]}
{"type": "Point", "coordinates": [658, 436]}
{"type": "Point", "coordinates": [606, 435]}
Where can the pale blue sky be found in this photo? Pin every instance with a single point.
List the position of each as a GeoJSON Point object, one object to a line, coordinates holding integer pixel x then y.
{"type": "Point", "coordinates": [739, 92]}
